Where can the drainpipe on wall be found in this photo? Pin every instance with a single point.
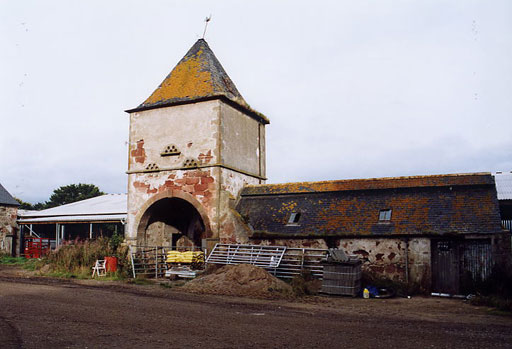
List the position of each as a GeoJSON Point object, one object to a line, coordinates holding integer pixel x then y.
{"type": "Point", "coordinates": [407, 261]}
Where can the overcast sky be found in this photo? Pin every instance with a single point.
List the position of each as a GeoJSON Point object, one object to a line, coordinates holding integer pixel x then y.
{"type": "Point", "coordinates": [353, 89]}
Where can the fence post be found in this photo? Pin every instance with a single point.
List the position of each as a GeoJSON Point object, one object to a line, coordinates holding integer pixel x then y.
{"type": "Point", "coordinates": [131, 258]}
{"type": "Point", "coordinates": [156, 262]}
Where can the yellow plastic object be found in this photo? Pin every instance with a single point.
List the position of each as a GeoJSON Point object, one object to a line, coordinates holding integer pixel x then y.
{"type": "Point", "coordinates": [366, 293]}
{"type": "Point", "coordinates": [173, 257]}
{"type": "Point", "coordinates": [187, 257]}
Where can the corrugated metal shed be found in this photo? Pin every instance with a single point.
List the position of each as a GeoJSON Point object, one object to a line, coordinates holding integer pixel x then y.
{"type": "Point", "coordinates": [105, 208]}
{"type": "Point", "coordinates": [6, 198]}
{"type": "Point", "coordinates": [503, 185]}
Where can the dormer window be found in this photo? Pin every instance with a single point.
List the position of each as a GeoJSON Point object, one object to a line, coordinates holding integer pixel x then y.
{"type": "Point", "coordinates": [294, 218]}
{"type": "Point", "coordinates": [385, 215]}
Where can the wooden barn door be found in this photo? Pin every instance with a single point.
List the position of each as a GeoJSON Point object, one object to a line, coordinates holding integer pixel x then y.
{"type": "Point", "coordinates": [477, 263]}
{"type": "Point", "coordinates": [445, 266]}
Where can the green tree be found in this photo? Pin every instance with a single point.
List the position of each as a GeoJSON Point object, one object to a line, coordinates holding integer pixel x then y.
{"type": "Point", "coordinates": [24, 205]}
{"type": "Point", "coordinates": [71, 193]}
{"type": "Point", "coordinates": [40, 206]}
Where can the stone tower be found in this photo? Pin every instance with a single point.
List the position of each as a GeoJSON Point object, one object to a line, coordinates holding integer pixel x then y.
{"type": "Point", "coordinates": [194, 143]}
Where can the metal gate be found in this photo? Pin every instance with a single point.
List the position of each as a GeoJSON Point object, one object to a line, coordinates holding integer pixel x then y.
{"type": "Point", "coordinates": [36, 247]}
{"type": "Point", "coordinates": [459, 264]}
{"type": "Point", "coordinates": [283, 262]}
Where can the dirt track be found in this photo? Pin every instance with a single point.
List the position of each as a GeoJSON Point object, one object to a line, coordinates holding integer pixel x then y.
{"type": "Point", "coordinates": [44, 313]}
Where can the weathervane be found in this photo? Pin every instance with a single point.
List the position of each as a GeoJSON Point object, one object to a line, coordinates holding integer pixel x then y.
{"type": "Point", "coordinates": [206, 20]}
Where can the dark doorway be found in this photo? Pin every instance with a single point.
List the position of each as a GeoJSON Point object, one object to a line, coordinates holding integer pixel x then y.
{"type": "Point", "coordinates": [171, 222]}
{"type": "Point", "coordinates": [445, 266]}
{"type": "Point", "coordinates": [459, 265]}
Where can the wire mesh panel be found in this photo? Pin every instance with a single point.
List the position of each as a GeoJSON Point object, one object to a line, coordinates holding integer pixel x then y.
{"type": "Point", "coordinates": [342, 278]}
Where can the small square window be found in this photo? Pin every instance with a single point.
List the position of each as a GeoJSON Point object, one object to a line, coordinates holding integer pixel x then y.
{"type": "Point", "coordinates": [384, 215]}
{"type": "Point", "coordinates": [294, 218]}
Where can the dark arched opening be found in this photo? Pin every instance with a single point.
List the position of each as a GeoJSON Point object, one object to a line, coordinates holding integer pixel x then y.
{"type": "Point", "coordinates": [171, 221]}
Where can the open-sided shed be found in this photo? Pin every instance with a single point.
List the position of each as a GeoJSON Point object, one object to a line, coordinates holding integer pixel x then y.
{"type": "Point", "coordinates": [86, 219]}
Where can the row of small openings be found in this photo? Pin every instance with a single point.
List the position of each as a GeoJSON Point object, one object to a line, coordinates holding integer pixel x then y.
{"type": "Point", "coordinates": [384, 216]}
{"type": "Point", "coordinates": [152, 167]}
{"type": "Point", "coordinates": [169, 150]}
{"type": "Point", "coordinates": [189, 163]}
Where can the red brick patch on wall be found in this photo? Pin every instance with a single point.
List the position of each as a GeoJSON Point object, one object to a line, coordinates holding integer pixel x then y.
{"type": "Point", "coordinates": [205, 158]}
{"type": "Point", "coordinates": [197, 183]}
{"type": "Point", "coordinates": [139, 154]}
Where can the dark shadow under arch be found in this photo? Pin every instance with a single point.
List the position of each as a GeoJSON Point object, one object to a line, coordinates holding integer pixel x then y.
{"type": "Point", "coordinates": [167, 217]}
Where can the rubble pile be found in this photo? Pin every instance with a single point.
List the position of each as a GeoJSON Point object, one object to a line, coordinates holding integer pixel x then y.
{"type": "Point", "coordinates": [240, 280]}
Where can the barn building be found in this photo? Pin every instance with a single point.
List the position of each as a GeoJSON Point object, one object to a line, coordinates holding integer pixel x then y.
{"type": "Point", "coordinates": [438, 232]}
{"type": "Point", "coordinates": [196, 175]}
{"type": "Point", "coordinates": [91, 218]}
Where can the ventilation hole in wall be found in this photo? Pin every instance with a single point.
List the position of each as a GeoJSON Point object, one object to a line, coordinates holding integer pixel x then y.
{"type": "Point", "coordinates": [169, 150]}
{"type": "Point", "coordinates": [190, 163]}
{"type": "Point", "coordinates": [152, 167]}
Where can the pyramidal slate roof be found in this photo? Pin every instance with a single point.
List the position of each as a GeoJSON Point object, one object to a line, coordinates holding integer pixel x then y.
{"type": "Point", "coordinates": [6, 198]}
{"type": "Point", "coordinates": [198, 76]}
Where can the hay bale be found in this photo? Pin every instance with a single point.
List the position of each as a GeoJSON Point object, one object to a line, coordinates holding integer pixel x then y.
{"type": "Point", "coordinates": [240, 280]}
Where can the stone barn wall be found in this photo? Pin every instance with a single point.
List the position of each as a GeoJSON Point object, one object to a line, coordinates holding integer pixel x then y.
{"type": "Point", "coordinates": [8, 228]}
{"type": "Point", "coordinates": [387, 257]}
{"type": "Point", "coordinates": [384, 257]}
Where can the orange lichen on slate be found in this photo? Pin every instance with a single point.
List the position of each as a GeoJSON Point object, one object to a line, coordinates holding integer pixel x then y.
{"type": "Point", "coordinates": [187, 80]}
{"type": "Point", "coordinates": [197, 77]}
{"type": "Point", "coordinates": [371, 184]}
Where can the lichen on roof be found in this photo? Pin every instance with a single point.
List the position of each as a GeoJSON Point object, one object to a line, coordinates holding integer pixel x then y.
{"type": "Point", "coordinates": [198, 76]}
{"type": "Point", "coordinates": [370, 184]}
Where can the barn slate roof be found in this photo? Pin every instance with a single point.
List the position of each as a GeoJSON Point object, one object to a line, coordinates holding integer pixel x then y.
{"type": "Point", "coordinates": [421, 205]}
{"type": "Point", "coordinates": [198, 76]}
{"type": "Point", "coordinates": [6, 198]}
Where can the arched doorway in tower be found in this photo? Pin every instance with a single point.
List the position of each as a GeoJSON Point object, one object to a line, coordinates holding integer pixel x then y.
{"type": "Point", "coordinates": [171, 221]}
